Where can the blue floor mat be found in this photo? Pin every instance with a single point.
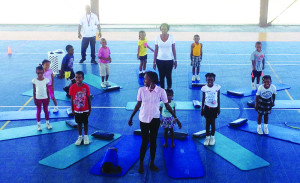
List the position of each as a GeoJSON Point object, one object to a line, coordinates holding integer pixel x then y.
{"type": "Point", "coordinates": [31, 114]}
{"type": "Point", "coordinates": [196, 85]}
{"type": "Point", "coordinates": [235, 153]}
{"type": "Point", "coordinates": [28, 131]}
{"type": "Point", "coordinates": [141, 79]}
{"type": "Point", "coordinates": [73, 153]}
{"type": "Point", "coordinates": [249, 92]}
{"type": "Point", "coordinates": [183, 161]}
{"type": "Point", "coordinates": [95, 81]}
{"type": "Point", "coordinates": [59, 95]}
{"type": "Point", "coordinates": [128, 154]}
{"type": "Point", "coordinates": [277, 132]}
{"type": "Point", "coordinates": [180, 105]}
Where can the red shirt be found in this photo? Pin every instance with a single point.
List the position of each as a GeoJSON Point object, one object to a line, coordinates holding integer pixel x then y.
{"type": "Point", "coordinates": [79, 96]}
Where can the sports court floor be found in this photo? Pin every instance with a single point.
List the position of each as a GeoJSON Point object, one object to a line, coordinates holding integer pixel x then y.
{"type": "Point", "coordinates": [226, 53]}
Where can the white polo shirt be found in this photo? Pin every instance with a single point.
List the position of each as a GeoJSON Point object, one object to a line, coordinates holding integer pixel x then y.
{"type": "Point", "coordinates": [89, 24]}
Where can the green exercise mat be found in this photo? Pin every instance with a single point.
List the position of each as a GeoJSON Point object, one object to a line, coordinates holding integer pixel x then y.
{"type": "Point", "coordinates": [180, 105]}
{"type": "Point", "coordinates": [235, 153]}
{"type": "Point", "coordinates": [28, 131]}
{"type": "Point", "coordinates": [59, 95]}
{"type": "Point", "coordinates": [73, 153]}
{"type": "Point", "coordinates": [95, 81]}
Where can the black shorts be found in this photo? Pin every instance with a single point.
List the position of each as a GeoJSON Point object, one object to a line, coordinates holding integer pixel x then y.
{"type": "Point", "coordinates": [210, 112]}
{"type": "Point", "coordinates": [142, 58]}
{"type": "Point", "coordinates": [82, 118]}
{"type": "Point", "coordinates": [256, 73]}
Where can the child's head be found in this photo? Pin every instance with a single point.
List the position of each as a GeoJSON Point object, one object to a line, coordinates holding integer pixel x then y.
{"type": "Point", "coordinates": [103, 42]}
{"type": "Point", "coordinates": [170, 94]}
{"type": "Point", "coordinates": [70, 49]}
{"type": "Point", "coordinates": [196, 38]}
{"type": "Point", "coordinates": [39, 71]}
{"type": "Point", "coordinates": [79, 77]}
{"type": "Point", "coordinates": [267, 80]}
{"type": "Point", "coordinates": [142, 35]}
{"type": "Point", "coordinates": [258, 46]}
{"type": "Point", "coordinates": [210, 78]}
{"type": "Point", "coordinates": [46, 64]}
{"type": "Point", "coordinates": [150, 77]}
{"type": "Point", "coordinates": [164, 27]}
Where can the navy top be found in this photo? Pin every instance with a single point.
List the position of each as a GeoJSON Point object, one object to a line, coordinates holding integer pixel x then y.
{"type": "Point", "coordinates": [68, 62]}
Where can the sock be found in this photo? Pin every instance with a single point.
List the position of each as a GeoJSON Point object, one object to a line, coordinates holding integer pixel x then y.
{"type": "Point", "coordinates": [47, 121]}
{"type": "Point", "coordinates": [85, 136]}
{"type": "Point", "coordinates": [259, 125]}
{"type": "Point", "coordinates": [265, 125]}
{"type": "Point", "coordinates": [144, 71]}
{"type": "Point", "coordinates": [140, 72]}
{"type": "Point", "coordinates": [39, 123]}
{"type": "Point", "coordinates": [80, 136]}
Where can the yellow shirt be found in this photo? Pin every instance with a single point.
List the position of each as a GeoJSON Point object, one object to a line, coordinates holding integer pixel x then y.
{"type": "Point", "coordinates": [143, 48]}
{"type": "Point", "coordinates": [197, 49]}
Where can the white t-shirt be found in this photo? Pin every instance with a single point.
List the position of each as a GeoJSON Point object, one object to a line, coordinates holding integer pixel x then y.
{"type": "Point", "coordinates": [89, 24]}
{"type": "Point", "coordinates": [41, 88]}
{"type": "Point", "coordinates": [211, 95]}
{"type": "Point", "coordinates": [165, 48]}
{"type": "Point", "coordinates": [266, 93]}
{"type": "Point", "coordinates": [258, 57]}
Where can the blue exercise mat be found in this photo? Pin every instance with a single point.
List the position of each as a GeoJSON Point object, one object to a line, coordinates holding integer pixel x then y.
{"type": "Point", "coordinates": [141, 79]}
{"type": "Point", "coordinates": [28, 131]}
{"type": "Point", "coordinates": [180, 105]}
{"type": "Point", "coordinates": [59, 95]}
{"type": "Point", "coordinates": [235, 153]}
{"type": "Point", "coordinates": [128, 153]}
{"type": "Point", "coordinates": [73, 153]}
{"type": "Point", "coordinates": [277, 132]}
{"type": "Point", "coordinates": [197, 85]}
{"type": "Point", "coordinates": [183, 161]}
{"type": "Point", "coordinates": [247, 91]}
{"type": "Point", "coordinates": [95, 81]}
{"type": "Point", "coordinates": [30, 114]}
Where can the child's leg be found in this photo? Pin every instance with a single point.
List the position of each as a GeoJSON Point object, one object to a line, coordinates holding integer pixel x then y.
{"type": "Point", "coordinates": [45, 107]}
{"type": "Point", "coordinates": [144, 64]}
{"type": "Point", "coordinates": [79, 128]}
{"type": "Point", "coordinates": [207, 126]}
{"type": "Point", "coordinates": [86, 123]}
{"type": "Point", "coordinates": [259, 116]}
{"type": "Point", "coordinates": [103, 77]}
{"type": "Point", "coordinates": [172, 137]}
{"type": "Point", "coordinates": [266, 118]}
{"type": "Point", "coordinates": [213, 126]}
{"type": "Point", "coordinates": [38, 109]}
{"type": "Point", "coordinates": [54, 101]}
{"type": "Point", "coordinates": [257, 79]}
{"type": "Point", "coordinates": [106, 77]}
{"type": "Point", "coordinates": [193, 70]}
{"type": "Point", "coordinates": [198, 70]}
{"type": "Point", "coordinates": [166, 137]}
{"type": "Point", "coordinates": [141, 65]}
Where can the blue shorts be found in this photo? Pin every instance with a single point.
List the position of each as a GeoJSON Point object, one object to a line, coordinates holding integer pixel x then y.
{"type": "Point", "coordinates": [142, 58]}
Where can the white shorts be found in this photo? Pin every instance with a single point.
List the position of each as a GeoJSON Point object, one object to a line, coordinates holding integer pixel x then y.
{"type": "Point", "coordinates": [104, 69]}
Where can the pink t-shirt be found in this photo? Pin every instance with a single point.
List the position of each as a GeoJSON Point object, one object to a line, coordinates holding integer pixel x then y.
{"type": "Point", "coordinates": [104, 52]}
{"type": "Point", "coordinates": [150, 103]}
{"type": "Point", "coordinates": [48, 75]}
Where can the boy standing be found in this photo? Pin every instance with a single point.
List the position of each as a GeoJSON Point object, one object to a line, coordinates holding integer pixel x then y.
{"type": "Point", "coordinates": [258, 64]}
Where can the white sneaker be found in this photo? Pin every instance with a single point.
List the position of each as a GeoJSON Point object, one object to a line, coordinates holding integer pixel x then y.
{"type": "Point", "coordinates": [193, 78]}
{"type": "Point", "coordinates": [266, 130]}
{"type": "Point", "coordinates": [107, 84]}
{"type": "Point", "coordinates": [86, 140]}
{"type": "Point", "coordinates": [206, 140]}
{"type": "Point", "coordinates": [212, 141]}
{"type": "Point", "coordinates": [39, 128]}
{"type": "Point", "coordinates": [48, 126]}
{"type": "Point", "coordinates": [198, 78]}
{"type": "Point", "coordinates": [55, 109]}
{"type": "Point", "coordinates": [103, 85]}
{"type": "Point", "coordinates": [259, 130]}
{"type": "Point", "coordinates": [78, 141]}
{"type": "Point", "coordinates": [253, 86]}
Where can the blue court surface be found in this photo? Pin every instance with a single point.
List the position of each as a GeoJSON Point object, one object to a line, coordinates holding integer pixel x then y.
{"type": "Point", "coordinates": [228, 60]}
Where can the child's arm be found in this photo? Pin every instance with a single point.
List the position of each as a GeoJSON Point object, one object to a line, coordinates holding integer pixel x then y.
{"type": "Point", "coordinates": [34, 94]}
{"type": "Point", "coordinates": [52, 81]}
{"type": "Point", "coordinates": [48, 93]}
{"type": "Point", "coordinates": [136, 108]}
{"type": "Point", "coordinates": [219, 107]}
{"type": "Point", "coordinates": [201, 50]}
{"type": "Point", "coordinates": [61, 71]}
{"type": "Point", "coordinates": [191, 55]}
{"type": "Point", "coordinates": [89, 103]}
{"type": "Point", "coordinates": [202, 107]}
{"type": "Point", "coordinates": [169, 108]}
{"type": "Point", "coordinates": [253, 65]}
{"type": "Point", "coordinates": [155, 56]}
{"type": "Point", "coordinates": [273, 100]}
{"type": "Point", "coordinates": [72, 105]}
{"type": "Point", "coordinates": [263, 62]}
{"type": "Point", "coordinates": [138, 53]}
{"type": "Point", "coordinates": [256, 102]}
{"type": "Point", "coordinates": [150, 48]}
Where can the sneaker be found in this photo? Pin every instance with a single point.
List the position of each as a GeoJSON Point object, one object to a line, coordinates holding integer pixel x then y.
{"type": "Point", "coordinates": [82, 60]}
{"type": "Point", "coordinates": [55, 109]}
{"type": "Point", "coordinates": [206, 140]}
{"type": "Point", "coordinates": [78, 141]}
{"type": "Point", "coordinates": [212, 141]}
{"type": "Point", "coordinates": [39, 128]}
{"type": "Point", "coordinates": [193, 78]}
{"type": "Point", "coordinates": [259, 130]}
{"type": "Point", "coordinates": [198, 78]}
{"type": "Point", "coordinates": [86, 140]}
{"type": "Point", "coordinates": [93, 62]}
{"type": "Point", "coordinates": [103, 85]}
{"type": "Point", "coordinates": [107, 84]}
{"type": "Point", "coordinates": [48, 126]}
{"type": "Point", "coordinates": [266, 130]}
{"type": "Point", "coordinates": [253, 86]}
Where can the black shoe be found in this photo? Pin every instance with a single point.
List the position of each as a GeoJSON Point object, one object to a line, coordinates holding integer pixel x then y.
{"type": "Point", "coordinates": [93, 62]}
{"type": "Point", "coordinates": [154, 168]}
{"type": "Point", "coordinates": [82, 60]}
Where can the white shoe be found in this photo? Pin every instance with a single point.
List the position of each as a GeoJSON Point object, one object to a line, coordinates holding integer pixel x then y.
{"type": "Point", "coordinates": [212, 141]}
{"type": "Point", "coordinates": [107, 84]}
{"type": "Point", "coordinates": [198, 78]}
{"type": "Point", "coordinates": [103, 85]}
{"type": "Point", "coordinates": [193, 78]}
{"type": "Point", "coordinates": [86, 140]}
{"type": "Point", "coordinates": [48, 126]}
{"type": "Point", "coordinates": [253, 86]}
{"type": "Point", "coordinates": [259, 130]}
{"type": "Point", "coordinates": [39, 128]}
{"type": "Point", "coordinates": [266, 130]}
{"type": "Point", "coordinates": [206, 142]}
{"type": "Point", "coordinates": [55, 109]}
{"type": "Point", "coordinates": [78, 141]}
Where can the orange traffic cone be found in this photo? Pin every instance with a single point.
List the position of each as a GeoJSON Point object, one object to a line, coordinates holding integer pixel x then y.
{"type": "Point", "coordinates": [9, 52]}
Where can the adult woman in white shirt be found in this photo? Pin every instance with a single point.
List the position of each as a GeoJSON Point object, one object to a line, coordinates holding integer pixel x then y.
{"type": "Point", "coordinates": [165, 55]}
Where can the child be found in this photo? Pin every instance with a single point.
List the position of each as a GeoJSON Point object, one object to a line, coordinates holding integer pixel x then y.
{"type": "Point", "coordinates": [168, 120]}
{"type": "Point", "coordinates": [109, 164]}
{"type": "Point", "coordinates": [104, 60]}
{"type": "Point", "coordinates": [265, 98]}
{"type": "Point", "coordinates": [258, 64]}
{"type": "Point", "coordinates": [48, 73]}
{"type": "Point", "coordinates": [41, 96]}
{"type": "Point", "coordinates": [142, 52]}
{"type": "Point", "coordinates": [67, 66]}
{"type": "Point", "coordinates": [196, 56]}
{"type": "Point", "coordinates": [210, 106]}
{"type": "Point", "coordinates": [81, 106]}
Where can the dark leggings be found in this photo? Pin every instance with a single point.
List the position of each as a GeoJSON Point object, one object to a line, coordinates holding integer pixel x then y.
{"type": "Point", "coordinates": [145, 128]}
{"type": "Point", "coordinates": [210, 122]}
{"type": "Point", "coordinates": [84, 45]}
{"type": "Point", "coordinates": [165, 68]}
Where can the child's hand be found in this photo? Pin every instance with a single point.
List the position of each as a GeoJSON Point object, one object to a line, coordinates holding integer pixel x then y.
{"type": "Point", "coordinates": [263, 67]}
{"type": "Point", "coordinates": [191, 63]}
{"type": "Point", "coordinates": [35, 102]}
{"type": "Point", "coordinates": [60, 76]}
{"type": "Point", "coordinates": [219, 111]}
{"type": "Point", "coordinates": [130, 122]}
{"type": "Point", "coordinates": [273, 104]}
{"type": "Point", "coordinates": [179, 124]}
{"type": "Point", "coordinates": [89, 113]}
{"type": "Point", "coordinates": [256, 107]}
{"type": "Point", "coordinates": [109, 60]}
{"type": "Point", "coordinates": [52, 87]}
{"type": "Point", "coordinates": [138, 57]}
{"type": "Point", "coordinates": [202, 112]}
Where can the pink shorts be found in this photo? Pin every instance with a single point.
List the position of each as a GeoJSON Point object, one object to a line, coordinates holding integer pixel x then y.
{"type": "Point", "coordinates": [51, 92]}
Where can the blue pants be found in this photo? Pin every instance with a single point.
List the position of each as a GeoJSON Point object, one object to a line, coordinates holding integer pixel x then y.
{"type": "Point", "coordinates": [85, 43]}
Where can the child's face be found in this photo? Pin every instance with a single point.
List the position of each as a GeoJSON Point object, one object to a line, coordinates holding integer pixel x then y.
{"type": "Point", "coordinates": [147, 80]}
{"type": "Point", "coordinates": [142, 36]}
{"type": "Point", "coordinates": [78, 78]}
{"type": "Point", "coordinates": [71, 51]}
{"type": "Point", "coordinates": [170, 97]}
{"type": "Point", "coordinates": [196, 39]}
{"type": "Point", "coordinates": [40, 73]}
{"type": "Point", "coordinates": [103, 43]}
{"type": "Point", "coordinates": [210, 81]}
{"type": "Point", "coordinates": [46, 66]}
{"type": "Point", "coordinates": [267, 83]}
{"type": "Point", "coordinates": [258, 47]}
